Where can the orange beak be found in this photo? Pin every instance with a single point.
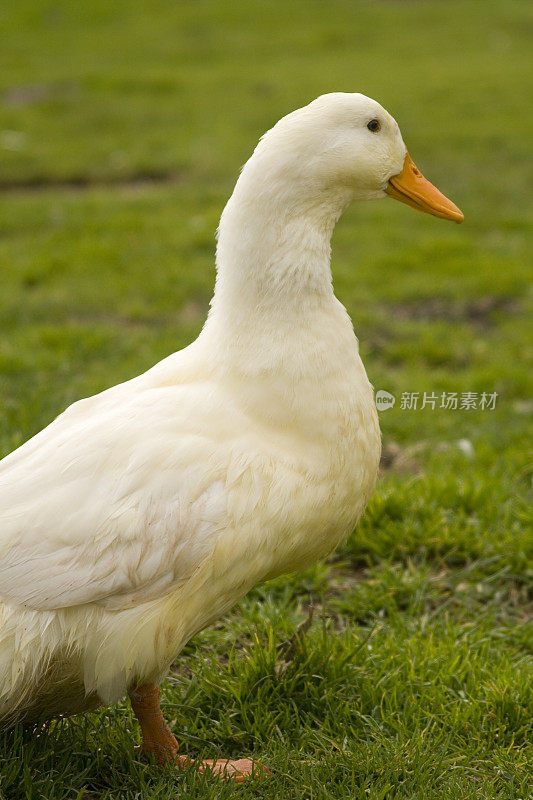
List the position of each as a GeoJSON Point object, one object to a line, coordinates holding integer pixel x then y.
{"type": "Point", "coordinates": [412, 188]}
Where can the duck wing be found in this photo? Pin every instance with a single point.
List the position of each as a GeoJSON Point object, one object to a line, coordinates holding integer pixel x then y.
{"type": "Point", "coordinates": [116, 502]}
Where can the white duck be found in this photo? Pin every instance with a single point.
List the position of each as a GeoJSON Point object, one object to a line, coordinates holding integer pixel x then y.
{"type": "Point", "coordinates": [142, 514]}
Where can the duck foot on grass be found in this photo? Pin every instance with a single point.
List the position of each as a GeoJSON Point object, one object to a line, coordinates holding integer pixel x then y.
{"type": "Point", "coordinates": [159, 741]}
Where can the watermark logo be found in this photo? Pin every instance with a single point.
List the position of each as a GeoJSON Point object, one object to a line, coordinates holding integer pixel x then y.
{"type": "Point", "coordinates": [449, 401]}
{"type": "Point", "coordinates": [384, 400]}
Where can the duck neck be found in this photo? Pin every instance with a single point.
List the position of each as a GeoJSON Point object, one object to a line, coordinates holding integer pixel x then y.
{"type": "Point", "coordinates": [273, 257]}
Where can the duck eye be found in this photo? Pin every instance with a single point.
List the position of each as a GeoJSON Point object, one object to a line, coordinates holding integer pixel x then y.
{"type": "Point", "coordinates": [374, 125]}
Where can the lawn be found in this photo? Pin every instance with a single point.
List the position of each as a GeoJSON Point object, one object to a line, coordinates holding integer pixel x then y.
{"type": "Point", "coordinates": [122, 130]}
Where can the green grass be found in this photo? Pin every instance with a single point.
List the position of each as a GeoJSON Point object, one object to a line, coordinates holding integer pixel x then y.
{"type": "Point", "coordinates": [123, 126]}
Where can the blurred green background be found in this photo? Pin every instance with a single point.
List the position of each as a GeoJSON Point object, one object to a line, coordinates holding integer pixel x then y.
{"type": "Point", "coordinates": [122, 130]}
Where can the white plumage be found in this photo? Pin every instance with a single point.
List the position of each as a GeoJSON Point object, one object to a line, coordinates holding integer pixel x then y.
{"type": "Point", "coordinates": [142, 514]}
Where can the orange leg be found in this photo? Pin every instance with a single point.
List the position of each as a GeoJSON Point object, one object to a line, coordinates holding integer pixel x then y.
{"type": "Point", "coordinates": [158, 739]}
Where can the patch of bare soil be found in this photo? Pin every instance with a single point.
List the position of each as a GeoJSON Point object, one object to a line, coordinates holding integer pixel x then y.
{"type": "Point", "coordinates": [137, 181]}
{"type": "Point", "coordinates": [401, 459]}
{"type": "Point", "coordinates": [479, 310]}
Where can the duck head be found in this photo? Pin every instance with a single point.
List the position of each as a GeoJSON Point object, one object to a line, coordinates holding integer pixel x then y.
{"type": "Point", "coordinates": [348, 143]}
